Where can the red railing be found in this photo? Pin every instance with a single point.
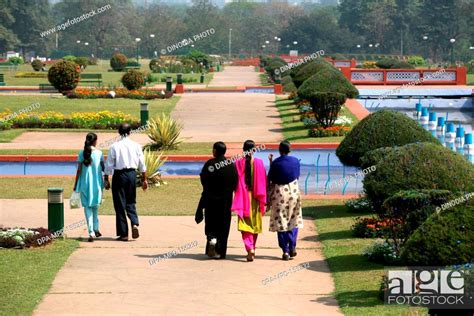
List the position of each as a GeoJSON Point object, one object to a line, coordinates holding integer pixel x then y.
{"type": "Point", "coordinates": [452, 76]}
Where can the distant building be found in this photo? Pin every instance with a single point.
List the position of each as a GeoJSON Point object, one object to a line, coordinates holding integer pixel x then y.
{"type": "Point", "coordinates": [12, 54]}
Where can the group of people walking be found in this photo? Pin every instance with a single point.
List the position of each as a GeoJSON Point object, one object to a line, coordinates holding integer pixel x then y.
{"type": "Point", "coordinates": [242, 187]}
{"type": "Point", "coordinates": [245, 189]}
{"type": "Point", "coordinates": [124, 158]}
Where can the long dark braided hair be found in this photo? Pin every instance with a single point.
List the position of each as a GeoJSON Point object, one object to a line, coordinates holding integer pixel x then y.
{"type": "Point", "coordinates": [90, 139]}
{"type": "Point", "coordinates": [248, 146]}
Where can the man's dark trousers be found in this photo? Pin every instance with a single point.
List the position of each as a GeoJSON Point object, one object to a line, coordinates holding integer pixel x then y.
{"type": "Point", "coordinates": [124, 192]}
{"type": "Point", "coordinates": [218, 219]}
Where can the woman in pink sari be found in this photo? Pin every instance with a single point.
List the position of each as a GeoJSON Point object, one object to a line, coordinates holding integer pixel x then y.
{"type": "Point", "coordinates": [250, 197]}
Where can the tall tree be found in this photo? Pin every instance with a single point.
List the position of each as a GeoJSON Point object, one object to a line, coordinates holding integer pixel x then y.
{"type": "Point", "coordinates": [8, 38]}
{"type": "Point", "coordinates": [29, 22]}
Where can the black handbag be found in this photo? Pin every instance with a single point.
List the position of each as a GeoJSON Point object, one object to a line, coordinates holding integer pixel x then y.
{"type": "Point", "coordinates": [199, 216]}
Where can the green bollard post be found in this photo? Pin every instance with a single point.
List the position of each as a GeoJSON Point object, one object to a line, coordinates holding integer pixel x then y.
{"type": "Point", "coordinates": [144, 114]}
{"type": "Point", "coordinates": [202, 78]}
{"type": "Point", "coordinates": [55, 210]}
{"type": "Point", "coordinates": [169, 84]}
{"type": "Point", "coordinates": [278, 79]}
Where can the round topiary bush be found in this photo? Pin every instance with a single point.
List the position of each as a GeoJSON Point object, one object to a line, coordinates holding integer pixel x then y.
{"type": "Point", "coordinates": [154, 65]}
{"type": "Point", "coordinates": [327, 80]}
{"type": "Point", "coordinates": [302, 73]}
{"type": "Point", "coordinates": [273, 67]}
{"type": "Point", "coordinates": [82, 61]}
{"type": "Point", "coordinates": [419, 166]}
{"type": "Point", "coordinates": [405, 211]}
{"type": "Point", "coordinates": [37, 64]}
{"type": "Point", "coordinates": [286, 80]}
{"type": "Point", "coordinates": [443, 239]}
{"type": "Point", "coordinates": [64, 75]}
{"type": "Point", "coordinates": [118, 62]}
{"type": "Point", "coordinates": [288, 85]}
{"type": "Point", "coordinates": [372, 158]}
{"type": "Point", "coordinates": [133, 79]}
{"type": "Point", "coordinates": [385, 128]}
{"type": "Point", "coordinates": [326, 107]}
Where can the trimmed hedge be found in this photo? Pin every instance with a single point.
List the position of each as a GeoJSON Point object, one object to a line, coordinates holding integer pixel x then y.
{"type": "Point", "coordinates": [286, 80]}
{"type": "Point", "coordinates": [373, 157]}
{"type": "Point", "coordinates": [133, 80]}
{"type": "Point", "coordinates": [82, 61]}
{"type": "Point", "coordinates": [64, 75]}
{"type": "Point", "coordinates": [302, 73]}
{"type": "Point", "coordinates": [444, 239]}
{"type": "Point", "coordinates": [385, 128]}
{"type": "Point", "coordinates": [419, 166]}
{"type": "Point", "coordinates": [386, 63]}
{"type": "Point", "coordinates": [400, 64]}
{"type": "Point", "coordinates": [118, 62]}
{"type": "Point", "coordinates": [327, 80]}
{"type": "Point", "coordinates": [390, 63]}
{"type": "Point", "coordinates": [273, 65]}
{"type": "Point", "coordinates": [326, 107]}
{"type": "Point", "coordinates": [288, 85]}
{"type": "Point", "coordinates": [405, 211]}
{"type": "Point", "coordinates": [37, 64]}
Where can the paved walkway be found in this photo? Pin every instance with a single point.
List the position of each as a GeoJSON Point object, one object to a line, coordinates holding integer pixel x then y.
{"type": "Point", "coordinates": [236, 76]}
{"type": "Point", "coordinates": [115, 278]}
{"type": "Point", "coordinates": [63, 140]}
{"type": "Point", "coordinates": [230, 117]}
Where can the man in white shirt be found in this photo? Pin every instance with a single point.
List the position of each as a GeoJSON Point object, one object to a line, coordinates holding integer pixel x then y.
{"type": "Point", "coordinates": [124, 158]}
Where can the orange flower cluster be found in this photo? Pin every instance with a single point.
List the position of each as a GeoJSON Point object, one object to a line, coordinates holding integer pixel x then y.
{"type": "Point", "coordinates": [335, 130]}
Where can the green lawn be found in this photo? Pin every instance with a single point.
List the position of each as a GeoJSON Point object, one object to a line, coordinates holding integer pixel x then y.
{"type": "Point", "coordinates": [26, 275]}
{"type": "Point", "coordinates": [357, 280]}
{"type": "Point", "coordinates": [156, 201]}
{"type": "Point", "coordinates": [67, 106]}
{"type": "Point", "coordinates": [109, 78]}
{"type": "Point", "coordinates": [184, 148]}
{"type": "Point", "coordinates": [294, 130]}
{"type": "Point", "coordinates": [470, 79]}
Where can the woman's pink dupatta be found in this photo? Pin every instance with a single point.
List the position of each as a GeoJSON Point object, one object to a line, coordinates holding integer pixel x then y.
{"type": "Point", "coordinates": [241, 202]}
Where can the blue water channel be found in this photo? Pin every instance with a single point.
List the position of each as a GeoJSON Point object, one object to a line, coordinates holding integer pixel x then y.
{"type": "Point", "coordinates": [321, 170]}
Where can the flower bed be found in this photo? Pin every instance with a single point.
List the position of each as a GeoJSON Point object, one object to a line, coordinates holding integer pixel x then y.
{"type": "Point", "coordinates": [97, 93]}
{"type": "Point", "coordinates": [31, 75]}
{"type": "Point", "coordinates": [369, 227]}
{"type": "Point", "coordinates": [341, 126]}
{"type": "Point", "coordinates": [91, 120]}
{"type": "Point", "coordinates": [22, 237]}
{"type": "Point", "coordinates": [328, 132]}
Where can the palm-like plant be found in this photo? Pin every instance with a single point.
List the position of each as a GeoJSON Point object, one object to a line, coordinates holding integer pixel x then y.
{"type": "Point", "coordinates": [164, 132]}
{"type": "Point", "coordinates": [153, 163]}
